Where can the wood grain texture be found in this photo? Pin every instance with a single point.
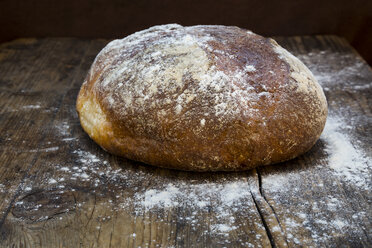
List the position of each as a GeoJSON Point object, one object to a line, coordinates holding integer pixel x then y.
{"type": "Point", "coordinates": [59, 189]}
{"type": "Point", "coordinates": [34, 79]}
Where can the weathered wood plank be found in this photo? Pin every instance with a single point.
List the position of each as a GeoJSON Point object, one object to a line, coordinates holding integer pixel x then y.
{"type": "Point", "coordinates": [76, 194]}
{"type": "Point", "coordinates": [35, 75]}
{"type": "Point", "coordinates": [320, 200]}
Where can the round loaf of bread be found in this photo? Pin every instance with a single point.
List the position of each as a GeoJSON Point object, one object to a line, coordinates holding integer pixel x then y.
{"type": "Point", "coordinates": [201, 98]}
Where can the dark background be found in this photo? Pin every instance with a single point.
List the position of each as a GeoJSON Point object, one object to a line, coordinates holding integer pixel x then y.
{"type": "Point", "coordinates": [116, 19]}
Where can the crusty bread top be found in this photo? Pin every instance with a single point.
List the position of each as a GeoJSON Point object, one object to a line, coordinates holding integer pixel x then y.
{"type": "Point", "coordinates": [199, 84]}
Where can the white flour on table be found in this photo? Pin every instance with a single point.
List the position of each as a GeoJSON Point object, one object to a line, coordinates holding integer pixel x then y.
{"type": "Point", "coordinates": [345, 161]}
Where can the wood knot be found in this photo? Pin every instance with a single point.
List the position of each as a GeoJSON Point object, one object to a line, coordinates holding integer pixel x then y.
{"type": "Point", "coordinates": [44, 205]}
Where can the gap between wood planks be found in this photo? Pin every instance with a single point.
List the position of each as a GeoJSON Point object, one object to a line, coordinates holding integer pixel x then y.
{"type": "Point", "coordinates": [266, 211]}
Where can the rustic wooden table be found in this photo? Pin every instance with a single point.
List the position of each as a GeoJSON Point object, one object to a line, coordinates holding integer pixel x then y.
{"type": "Point", "coordinates": [59, 189]}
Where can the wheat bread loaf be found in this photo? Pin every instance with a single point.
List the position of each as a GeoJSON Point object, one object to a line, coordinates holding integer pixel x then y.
{"type": "Point", "coordinates": [201, 98]}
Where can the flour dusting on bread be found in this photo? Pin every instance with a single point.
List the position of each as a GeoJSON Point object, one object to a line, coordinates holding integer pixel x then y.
{"type": "Point", "coordinates": [228, 91]}
{"type": "Point", "coordinates": [176, 67]}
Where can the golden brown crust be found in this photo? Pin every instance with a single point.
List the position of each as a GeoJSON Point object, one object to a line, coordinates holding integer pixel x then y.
{"type": "Point", "coordinates": [202, 98]}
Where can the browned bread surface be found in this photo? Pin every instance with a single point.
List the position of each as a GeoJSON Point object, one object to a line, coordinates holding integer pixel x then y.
{"type": "Point", "coordinates": [202, 98]}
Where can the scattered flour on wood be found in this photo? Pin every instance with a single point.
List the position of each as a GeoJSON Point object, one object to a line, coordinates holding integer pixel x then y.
{"type": "Point", "coordinates": [344, 158]}
{"type": "Point", "coordinates": [48, 149]}
{"type": "Point", "coordinates": [52, 181]}
{"type": "Point", "coordinates": [36, 106]}
{"type": "Point", "coordinates": [225, 199]}
{"type": "Point", "coordinates": [345, 161]}
{"type": "Point", "coordinates": [349, 67]}
{"type": "Point", "coordinates": [63, 128]}
{"type": "Point", "coordinates": [199, 195]}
